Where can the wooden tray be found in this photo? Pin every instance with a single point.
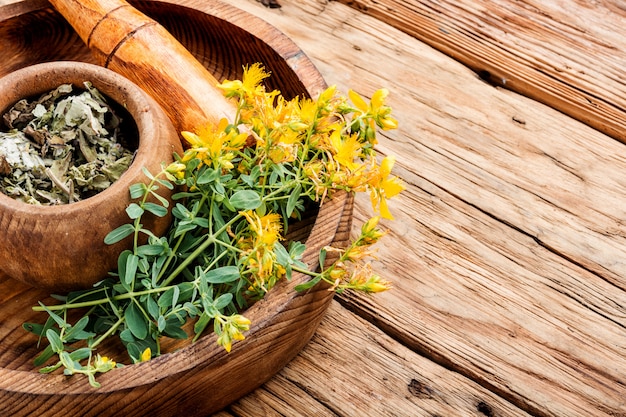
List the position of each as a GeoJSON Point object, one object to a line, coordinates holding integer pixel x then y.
{"type": "Point", "coordinates": [194, 379]}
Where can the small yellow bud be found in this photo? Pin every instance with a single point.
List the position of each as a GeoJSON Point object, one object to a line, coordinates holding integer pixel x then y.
{"type": "Point", "coordinates": [388, 123]}
{"type": "Point", "coordinates": [377, 287]}
{"type": "Point", "coordinates": [146, 355]}
{"type": "Point", "coordinates": [370, 225]}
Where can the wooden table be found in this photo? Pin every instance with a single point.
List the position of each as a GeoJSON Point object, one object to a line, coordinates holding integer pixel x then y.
{"type": "Point", "coordinates": [508, 252]}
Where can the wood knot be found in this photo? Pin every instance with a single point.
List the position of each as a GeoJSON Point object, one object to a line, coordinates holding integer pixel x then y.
{"type": "Point", "coordinates": [419, 389]}
{"type": "Point", "coordinates": [485, 409]}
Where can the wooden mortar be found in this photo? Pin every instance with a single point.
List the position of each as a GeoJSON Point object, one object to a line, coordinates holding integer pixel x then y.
{"type": "Point", "coordinates": [130, 43]}
{"type": "Point", "coordinates": [62, 247]}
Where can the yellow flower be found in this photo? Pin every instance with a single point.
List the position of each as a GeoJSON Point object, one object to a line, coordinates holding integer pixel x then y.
{"type": "Point", "coordinates": [266, 228]}
{"type": "Point", "coordinates": [225, 341]}
{"type": "Point", "coordinates": [252, 77]}
{"type": "Point", "coordinates": [378, 99]}
{"type": "Point", "coordinates": [369, 233]}
{"type": "Point", "coordinates": [307, 110]}
{"type": "Point", "coordinates": [249, 84]}
{"type": "Point", "coordinates": [380, 112]}
{"type": "Point", "coordinates": [358, 101]}
{"type": "Point", "coordinates": [232, 328]}
{"type": "Point", "coordinates": [242, 322]}
{"type": "Point", "coordinates": [357, 253]}
{"type": "Point", "coordinates": [383, 187]}
{"type": "Point", "coordinates": [176, 169]}
{"type": "Point", "coordinates": [364, 280]}
{"type": "Point", "coordinates": [326, 95]}
{"type": "Point", "coordinates": [230, 88]}
{"type": "Point", "coordinates": [392, 186]}
{"type": "Point", "coordinates": [103, 363]}
{"type": "Point", "coordinates": [213, 145]}
{"type": "Point", "coordinates": [345, 151]}
{"type": "Point", "coordinates": [377, 109]}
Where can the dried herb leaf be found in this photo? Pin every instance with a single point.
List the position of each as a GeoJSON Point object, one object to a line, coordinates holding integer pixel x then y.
{"type": "Point", "coordinates": [62, 147]}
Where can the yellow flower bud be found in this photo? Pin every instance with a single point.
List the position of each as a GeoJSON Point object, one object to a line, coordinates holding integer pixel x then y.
{"type": "Point", "coordinates": [370, 225]}
{"type": "Point", "coordinates": [377, 287]}
{"type": "Point", "coordinates": [146, 355]}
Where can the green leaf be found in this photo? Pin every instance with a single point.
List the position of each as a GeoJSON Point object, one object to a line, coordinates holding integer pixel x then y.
{"type": "Point", "coordinates": [36, 328]}
{"type": "Point", "coordinates": [54, 316]}
{"type": "Point", "coordinates": [166, 184]}
{"type": "Point", "coordinates": [149, 250]}
{"type": "Point", "coordinates": [309, 284]}
{"type": "Point", "coordinates": [180, 212]}
{"type": "Point", "coordinates": [147, 173]}
{"type": "Point", "coordinates": [223, 274]}
{"type": "Point", "coordinates": [152, 307]}
{"type": "Point", "coordinates": [130, 271]}
{"type": "Point", "coordinates": [164, 202]}
{"type": "Point", "coordinates": [296, 249]}
{"type": "Point", "coordinates": [207, 176]}
{"type": "Point", "coordinates": [77, 331]}
{"type": "Point", "coordinates": [138, 190]}
{"type": "Point", "coordinates": [55, 341]}
{"type": "Point", "coordinates": [126, 336]}
{"type": "Point", "coordinates": [44, 356]}
{"type": "Point", "coordinates": [186, 291]}
{"type": "Point", "coordinates": [118, 234]}
{"type": "Point", "coordinates": [223, 301]}
{"type": "Point", "coordinates": [282, 256]}
{"type": "Point", "coordinates": [245, 200]}
{"type": "Point", "coordinates": [80, 354]}
{"type": "Point", "coordinates": [201, 221]}
{"type": "Point", "coordinates": [322, 257]}
{"type": "Point", "coordinates": [155, 209]}
{"type": "Point", "coordinates": [201, 324]}
{"type": "Point", "coordinates": [136, 322]}
{"type": "Point", "coordinates": [161, 323]}
{"type": "Point", "coordinates": [173, 330]}
{"type": "Point", "coordinates": [134, 211]}
{"type": "Point", "coordinates": [183, 227]}
{"type": "Point", "coordinates": [169, 298]}
{"type": "Point", "coordinates": [293, 201]}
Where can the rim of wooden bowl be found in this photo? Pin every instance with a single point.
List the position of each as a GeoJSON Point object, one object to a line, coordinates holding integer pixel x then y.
{"type": "Point", "coordinates": [271, 341]}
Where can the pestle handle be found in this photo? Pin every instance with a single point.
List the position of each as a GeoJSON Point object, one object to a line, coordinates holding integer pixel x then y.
{"type": "Point", "coordinates": [130, 43]}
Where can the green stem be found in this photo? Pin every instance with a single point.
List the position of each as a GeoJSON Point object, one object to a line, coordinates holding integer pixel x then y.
{"type": "Point", "coordinates": [306, 271]}
{"type": "Point", "coordinates": [180, 239]}
{"type": "Point", "coordinates": [108, 333]}
{"type": "Point", "coordinates": [99, 301]}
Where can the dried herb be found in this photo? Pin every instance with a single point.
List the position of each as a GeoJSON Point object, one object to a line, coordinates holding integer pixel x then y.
{"type": "Point", "coordinates": [63, 147]}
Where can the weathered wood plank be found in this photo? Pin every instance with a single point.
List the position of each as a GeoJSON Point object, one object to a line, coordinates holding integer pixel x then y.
{"type": "Point", "coordinates": [378, 377]}
{"type": "Point", "coordinates": [511, 269]}
{"type": "Point", "coordinates": [566, 54]}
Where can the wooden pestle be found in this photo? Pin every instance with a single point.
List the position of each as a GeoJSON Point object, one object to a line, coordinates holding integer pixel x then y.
{"type": "Point", "coordinates": [130, 43]}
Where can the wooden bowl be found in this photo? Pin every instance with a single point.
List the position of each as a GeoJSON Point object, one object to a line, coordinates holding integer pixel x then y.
{"type": "Point", "coordinates": [62, 247]}
{"type": "Point", "coordinates": [200, 378]}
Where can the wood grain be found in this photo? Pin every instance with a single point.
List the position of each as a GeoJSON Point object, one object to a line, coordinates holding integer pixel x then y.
{"type": "Point", "coordinates": [507, 253]}
{"type": "Point", "coordinates": [568, 55]}
{"type": "Point", "coordinates": [508, 245]}
{"type": "Point", "coordinates": [398, 383]}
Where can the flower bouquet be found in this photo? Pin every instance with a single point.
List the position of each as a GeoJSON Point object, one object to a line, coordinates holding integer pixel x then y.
{"type": "Point", "coordinates": [240, 186]}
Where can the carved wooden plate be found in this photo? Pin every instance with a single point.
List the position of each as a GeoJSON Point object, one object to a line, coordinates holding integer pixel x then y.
{"type": "Point", "coordinates": [193, 379]}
